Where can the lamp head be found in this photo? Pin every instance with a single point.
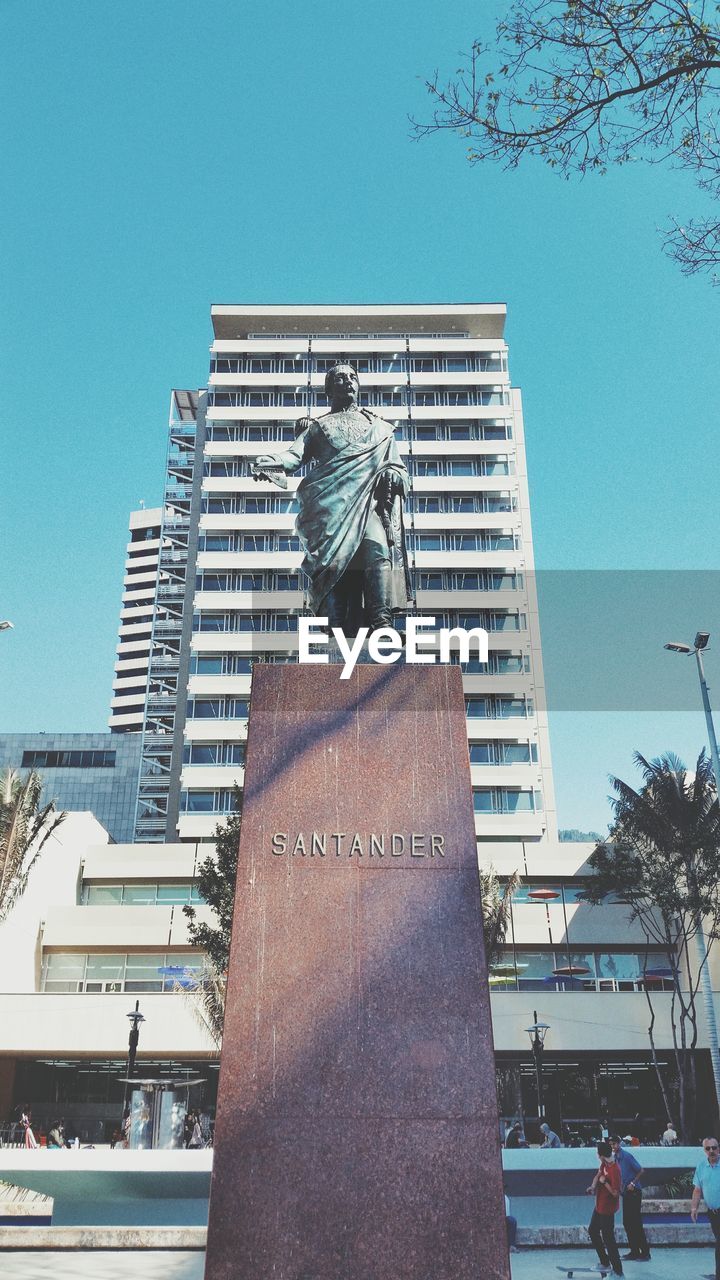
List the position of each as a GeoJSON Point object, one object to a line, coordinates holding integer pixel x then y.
{"type": "Point", "coordinates": [677, 647]}
{"type": "Point", "coordinates": [702, 639]}
{"type": "Point", "coordinates": [538, 1030]}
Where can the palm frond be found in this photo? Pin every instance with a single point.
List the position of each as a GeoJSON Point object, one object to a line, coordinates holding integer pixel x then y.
{"type": "Point", "coordinates": [24, 831]}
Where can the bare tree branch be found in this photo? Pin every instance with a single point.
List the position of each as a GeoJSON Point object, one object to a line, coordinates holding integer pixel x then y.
{"type": "Point", "coordinates": [585, 84]}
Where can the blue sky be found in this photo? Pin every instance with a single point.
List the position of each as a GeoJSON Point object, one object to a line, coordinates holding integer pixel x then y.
{"type": "Point", "coordinates": [168, 155]}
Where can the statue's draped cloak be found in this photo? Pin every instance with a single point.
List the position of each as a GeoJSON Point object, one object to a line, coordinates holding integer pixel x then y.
{"type": "Point", "coordinates": [335, 501]}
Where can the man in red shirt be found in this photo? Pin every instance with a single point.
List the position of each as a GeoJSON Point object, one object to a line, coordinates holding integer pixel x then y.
{"type": "Point", "coordinates": [606, 1187]}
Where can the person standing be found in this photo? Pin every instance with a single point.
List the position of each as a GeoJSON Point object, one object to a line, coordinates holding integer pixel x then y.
{"type": "Point", "coordinates": [706, 1186]}
{"type": "Point", "coordinates": [26, 1122]}
{"type": "Point", "coordinates": [606, 1186]}
{"type": "Point", "coordinates": [669, 1138]}
{"type": "Point", "coordinates": [631, 1190]}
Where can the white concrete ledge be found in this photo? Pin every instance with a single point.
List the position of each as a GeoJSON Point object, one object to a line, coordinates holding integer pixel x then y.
{"type": "Point", "coordinates": [51, 1238]}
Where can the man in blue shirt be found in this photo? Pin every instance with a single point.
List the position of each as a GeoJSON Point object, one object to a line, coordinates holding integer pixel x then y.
{"type": "Point", "coordinates": [630, 1172]}
{"type": "Point", "coordinates": [706, 1186]}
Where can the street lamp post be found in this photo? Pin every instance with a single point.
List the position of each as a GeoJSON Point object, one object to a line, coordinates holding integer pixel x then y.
{"type": "Point", "coordinates": [136, 1018]}
{"type": "Point", "coordinates": [134, 1038]}
{"type": "Point", "coordinates": [537, 1033]}
{"type": "Point", "coordinates": [699, 644]}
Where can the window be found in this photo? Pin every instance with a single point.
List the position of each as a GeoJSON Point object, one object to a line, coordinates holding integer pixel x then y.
{"type": "Point", "coordinates": [63, 972]}
{"type": "Point", "coordinates": [214, 753]}
{"type": "Point", "coordinates": [221, 801]}
{"type": "Point", "coordinates": [139, 895]}
{"type": "Point", "coordinates": [104, 972]}
{"type": "Point", "coordinates": [100, 895]}
{"type": "Point", "coordinates": [72, 759]}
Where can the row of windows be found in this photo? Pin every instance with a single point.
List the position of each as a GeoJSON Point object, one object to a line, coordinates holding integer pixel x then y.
{"type": "Point", "coordinates": [218, 708]}
{"type": "Point", "coordinates": [462, 503]}
{"type": "Point", "coordinates": [565, 894]}
{"type": "Point", "coordinates": [467, 540]}
{"type": "Point", "coordinates": [70, 759]}
{"type": "Point", "coordinates": [377, 398]}
{"type": "Point", "coordinates": [220, 801]}
{"type": "Point", "coordinates": [495, 466]}
{"type": "Point", "coordinates": [233, 664]}
{"type": "Point", "coordinates": [229, 504]}
{"type": "Point", "coordinates": [500, 465]}
{"type": "Point", "coordinates": [491, 706]}
{"type": "Point", "coordinates": [485, 800]}
{"type": "Point", "coordinates": [234, 581]}
{"type": "Point", "coordinates": [482, 707]}
{"type": "Point", "coordinates": [140, 895]}
{"type": "Point", "coordinates": [557, 970]}
{"type": "Point", "coordinates": [498, 752]}
{"type": "Point", "coordinates": [248, 542]}
{"type": "Point", "coordinates": [462, 580]}
{"type": "Point", "coordinates": [457, 429]}
{"type": "Point", "coordinates": [506, 800]}
{"type": "Point", "coordinates": [473, 362]}
{"type": "Point", "coordinates": [114, 972]}
{"type": "Point", "coordinates": [217, 753]}
{"type": "Point", "coordinates": [237, 664]}
{"type": "Point", "coordinates": [235, 620]}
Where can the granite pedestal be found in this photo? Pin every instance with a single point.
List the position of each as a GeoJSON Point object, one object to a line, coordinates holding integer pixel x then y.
{"type": "Point", "coordinates": [357, 1134]}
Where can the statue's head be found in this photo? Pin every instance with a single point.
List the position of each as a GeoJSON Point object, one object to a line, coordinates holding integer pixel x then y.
{"type": "Point", "coordinates": [342, 381]}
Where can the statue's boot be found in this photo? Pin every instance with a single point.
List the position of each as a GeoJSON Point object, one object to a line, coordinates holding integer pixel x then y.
{"type": "Point", "coordinates": [377, 590]}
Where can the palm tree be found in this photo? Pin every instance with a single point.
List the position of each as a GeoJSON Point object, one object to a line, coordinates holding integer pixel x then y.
{"type": "Point", "coordinates": [496, 899]}
{"type": "Point", "coordinates": [24, 829]}
{"type": "Point", "coordinates": [663, 859]}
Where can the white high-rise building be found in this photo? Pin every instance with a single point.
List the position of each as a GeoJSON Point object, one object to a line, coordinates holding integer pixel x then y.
{"type": "Point", "coordinates": [440, 373]}
{"type": "Point", "coordinates": [127, 711]}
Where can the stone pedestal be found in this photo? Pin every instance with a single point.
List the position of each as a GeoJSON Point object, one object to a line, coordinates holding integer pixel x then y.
{"type": "Point", "coordinates": [357, 1132]}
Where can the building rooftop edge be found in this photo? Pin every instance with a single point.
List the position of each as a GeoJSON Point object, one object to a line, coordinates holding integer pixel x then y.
{"type": "Point", "coordinates": [233, 320]}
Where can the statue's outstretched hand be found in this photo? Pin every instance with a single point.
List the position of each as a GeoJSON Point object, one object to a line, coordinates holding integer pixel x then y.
{"type": "Point", "coordinates": [266, 467]}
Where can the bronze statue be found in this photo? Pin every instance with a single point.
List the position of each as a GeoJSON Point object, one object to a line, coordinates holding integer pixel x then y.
{"type": "Point", "coordinates": [350, 518]}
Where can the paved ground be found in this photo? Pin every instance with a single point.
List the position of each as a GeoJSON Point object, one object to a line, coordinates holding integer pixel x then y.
{"type": "Point", "coordinates": [532, 1264]}
{"type": "Point", "coordinates": [666, 1264]}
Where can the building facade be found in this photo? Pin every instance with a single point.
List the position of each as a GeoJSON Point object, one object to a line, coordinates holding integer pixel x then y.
{"type": "Point", "coordinates": [102, 925]}
{"type": "Point", "coordinates": [440, 375]}
{"type": "Point", "coordinates": [214, 585]}
{"type": "Point", "coordinates": [140, 584]}
{"type": "Point", "coordinates": [86, 772]}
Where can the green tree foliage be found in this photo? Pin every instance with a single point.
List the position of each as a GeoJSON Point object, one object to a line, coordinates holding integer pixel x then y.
{"type": "Point", "coordinates": [216, 882]}
{"type": "Point", "coordinates": [25, 827]}
{"type": "Point", "coordinates": [662, 858]}
{"type": "Point", "coordinates": [585, 84]}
